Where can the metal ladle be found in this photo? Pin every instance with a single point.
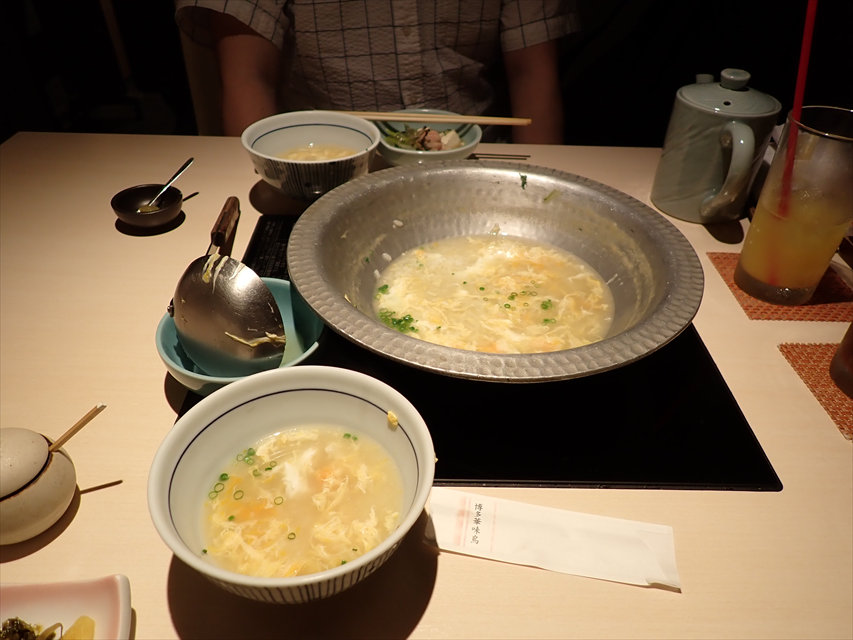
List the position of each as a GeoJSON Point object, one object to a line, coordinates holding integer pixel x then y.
{"type": "Point", "coordinates": [226, 318]}
{"type": "Point", "coordinates": [152, 204]}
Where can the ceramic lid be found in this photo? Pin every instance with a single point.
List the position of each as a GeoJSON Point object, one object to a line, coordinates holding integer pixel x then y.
{"type": "Point", "coordinates": [22, 456]}
{"type": "Point", "coordinates": [730, 96]}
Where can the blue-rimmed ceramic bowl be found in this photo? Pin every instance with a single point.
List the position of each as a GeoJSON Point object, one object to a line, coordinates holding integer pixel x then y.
{"type": "Point", "coordinates": [302, 327]}
{"type": "Point", "coordinates": [207, 436]}
{"type": "Point", "coordinates": [268, 139]}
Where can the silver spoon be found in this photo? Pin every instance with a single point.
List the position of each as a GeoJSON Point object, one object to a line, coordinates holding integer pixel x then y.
{"type": "Point", "coordinates": [226, 318]}
{"type": "Point", "coordinates": [151, 206]}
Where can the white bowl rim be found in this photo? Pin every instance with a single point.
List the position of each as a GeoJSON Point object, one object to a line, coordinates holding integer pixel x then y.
{"type": "Point", "coordinates": [249, 135]}
{"type": "Point", "coordinates": [210, 407]}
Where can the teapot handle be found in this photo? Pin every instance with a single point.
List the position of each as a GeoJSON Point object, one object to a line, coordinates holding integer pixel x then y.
{"type": "Point", "coordinates": [740, 138]}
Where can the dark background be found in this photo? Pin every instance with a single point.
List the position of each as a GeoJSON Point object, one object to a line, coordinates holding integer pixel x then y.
{"type": "Point", "coordinates": [60, 71]}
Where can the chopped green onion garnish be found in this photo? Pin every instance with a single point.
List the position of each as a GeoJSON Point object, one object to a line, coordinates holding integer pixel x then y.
{"type": "Point", "coordinates": [403, 325]}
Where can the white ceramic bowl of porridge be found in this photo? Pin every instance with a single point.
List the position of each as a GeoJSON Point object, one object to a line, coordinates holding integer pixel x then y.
{"type": "Point", "coordinates": [193, 470]}
{"type": "Point", "coordinates": [344, 246]}
{"type": "Point", "coordinates": [304, 154]}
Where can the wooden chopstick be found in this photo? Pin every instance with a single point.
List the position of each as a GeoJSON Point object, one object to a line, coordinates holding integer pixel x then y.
{"type": "Point", "coordinates": [441, 118]}
{"type": "Point", "coordinates": [82, 422]}
{"type": "Point", "coordinates": [500, 156]}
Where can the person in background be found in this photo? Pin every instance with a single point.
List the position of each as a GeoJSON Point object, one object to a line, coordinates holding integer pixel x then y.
{"type": "Point", "coordinates": [486, 57]}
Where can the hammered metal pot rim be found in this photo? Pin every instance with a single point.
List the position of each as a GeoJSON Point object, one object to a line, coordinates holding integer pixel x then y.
{"type": "Point", "coordinates": [370, 204]}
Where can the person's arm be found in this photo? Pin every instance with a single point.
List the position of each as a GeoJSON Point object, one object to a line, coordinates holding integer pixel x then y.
{"type": "Point", "coordinates": [248, 69]}
{"type": "Point", "coordinates": [534, 91]}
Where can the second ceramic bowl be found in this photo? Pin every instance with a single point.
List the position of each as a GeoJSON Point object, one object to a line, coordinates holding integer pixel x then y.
{"type": "Point", "coordinates": [301, 325]}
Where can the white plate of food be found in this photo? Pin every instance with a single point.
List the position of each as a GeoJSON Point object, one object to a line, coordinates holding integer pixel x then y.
{"type": "Point", "coordinates": [104, 601]}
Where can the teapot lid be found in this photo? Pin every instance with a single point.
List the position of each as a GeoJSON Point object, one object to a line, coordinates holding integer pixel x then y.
{"type": "Point", "coordinates": [730, 96]}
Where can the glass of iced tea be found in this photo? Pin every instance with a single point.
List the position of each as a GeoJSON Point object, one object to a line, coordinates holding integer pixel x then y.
{"type": "Point", "coordinates": [804, 210]}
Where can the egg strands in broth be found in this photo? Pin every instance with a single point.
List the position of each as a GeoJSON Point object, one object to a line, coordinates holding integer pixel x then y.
{"type": "Point", "coordinates": [301, 501]}
{"type": "Point", "coordinates": [495, 294]}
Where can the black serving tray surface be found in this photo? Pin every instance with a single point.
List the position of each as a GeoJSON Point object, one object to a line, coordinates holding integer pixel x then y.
{"type": "Point", "coordinates": [667, 421]}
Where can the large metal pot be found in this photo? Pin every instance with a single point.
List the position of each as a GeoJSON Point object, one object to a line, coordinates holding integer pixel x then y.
{"type": "Point", "coordinates": [344, 240]}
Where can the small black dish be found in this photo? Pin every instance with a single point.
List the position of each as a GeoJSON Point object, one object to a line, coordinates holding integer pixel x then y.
{"type": "Point", "coordinates": [126, 204]}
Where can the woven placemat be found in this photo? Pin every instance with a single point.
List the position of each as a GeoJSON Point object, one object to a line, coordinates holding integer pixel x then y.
{"type": "Point", "coordinates": [832, 300]}
{"type": "Point", "coordinates": [811, 362]}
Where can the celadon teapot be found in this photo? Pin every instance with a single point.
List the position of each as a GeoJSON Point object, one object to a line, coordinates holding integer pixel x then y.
{"type": "Point", "coordinates": [714, 144]}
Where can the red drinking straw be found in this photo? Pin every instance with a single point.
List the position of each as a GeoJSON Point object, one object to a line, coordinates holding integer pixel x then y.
{"type": "Point", "coordinates": [796, 111]}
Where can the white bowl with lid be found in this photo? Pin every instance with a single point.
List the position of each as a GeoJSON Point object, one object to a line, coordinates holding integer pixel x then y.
{"type": "Point", "coordinates": [36, 485]}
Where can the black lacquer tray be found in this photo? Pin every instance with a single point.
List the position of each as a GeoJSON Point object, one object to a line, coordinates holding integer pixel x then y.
{"type": "Point", "coordinates": [668, 421]}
